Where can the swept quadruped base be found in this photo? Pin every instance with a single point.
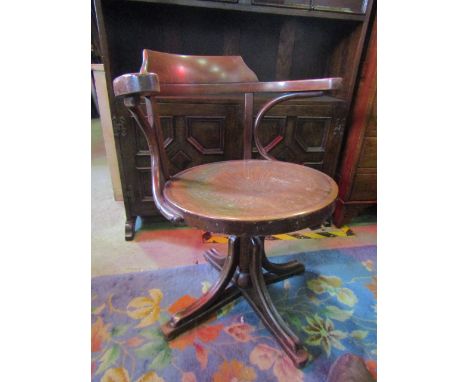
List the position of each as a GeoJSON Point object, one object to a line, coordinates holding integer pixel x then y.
{"type": "Point", "coordinates": [241, 272]}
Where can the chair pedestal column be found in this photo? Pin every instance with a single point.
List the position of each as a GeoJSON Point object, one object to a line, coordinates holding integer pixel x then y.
{"type": "Point", "coordinates": [241, 273]}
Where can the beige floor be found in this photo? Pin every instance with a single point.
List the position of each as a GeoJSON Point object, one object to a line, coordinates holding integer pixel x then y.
{"type": "Point", "coordinates": [161, 246]}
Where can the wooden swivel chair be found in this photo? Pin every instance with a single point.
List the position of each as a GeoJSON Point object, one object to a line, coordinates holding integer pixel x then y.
{"type": "Point", "coordinates": [246, 199]}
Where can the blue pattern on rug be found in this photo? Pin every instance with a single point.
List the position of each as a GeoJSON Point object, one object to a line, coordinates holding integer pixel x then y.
{"type": "Point", "coordinates": [331, 307]}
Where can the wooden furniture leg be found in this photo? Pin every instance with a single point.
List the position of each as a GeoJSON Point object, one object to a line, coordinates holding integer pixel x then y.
{"type": "Point", "coordinates": [259, 299]}
{"type": "Point", "coordinates": [289, 268]}
{"type": "Point", "coordinates": [130, 228]}
{"type": "Point", "coordinates": [252, 286]}
{"type": "Point", "coordinates": [215, 297]}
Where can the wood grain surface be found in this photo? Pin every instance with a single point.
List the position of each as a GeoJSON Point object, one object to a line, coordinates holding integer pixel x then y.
{"type": "Point", "coordinates": [250, 190]}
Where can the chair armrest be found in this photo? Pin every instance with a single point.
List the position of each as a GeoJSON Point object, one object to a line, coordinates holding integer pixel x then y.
{"type": "Point", "coordinates": [322, 84]}
{"type": "Point", "coordinates": [136, 84]}
{"type": "Point", "coordinates": [148, 84]}
{"type": "Point", "coordinates": [158, 176]}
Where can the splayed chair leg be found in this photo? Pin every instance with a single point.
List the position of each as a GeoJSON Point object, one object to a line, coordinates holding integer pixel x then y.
{"type": "Point", "coordinates": [287, 269]}
{"type": "Point", "coordinates": [258, 297]}
{"type": "Point", "coordinates": [216, 297]}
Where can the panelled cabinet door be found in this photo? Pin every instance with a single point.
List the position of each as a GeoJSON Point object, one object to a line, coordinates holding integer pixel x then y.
{"type": "Point", "coordinates": [305, 134]}
{"type": "Point", "coordinates": [194, 134]}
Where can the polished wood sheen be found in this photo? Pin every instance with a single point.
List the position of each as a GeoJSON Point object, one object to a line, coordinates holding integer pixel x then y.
{"type": "Point", "coordinates": [247, 199]}
{"type": "Point", "coordinates": [184, 69]}
{"type": "Point", "coordinates": [231, 194]}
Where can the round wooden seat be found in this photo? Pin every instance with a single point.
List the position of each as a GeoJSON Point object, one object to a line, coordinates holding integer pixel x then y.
{"type": "Point", "coordinates": [252, 197]}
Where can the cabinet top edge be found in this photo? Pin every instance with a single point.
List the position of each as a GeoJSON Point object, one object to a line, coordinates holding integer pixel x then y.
{"type": "Point", "coordinates": [282, 11]}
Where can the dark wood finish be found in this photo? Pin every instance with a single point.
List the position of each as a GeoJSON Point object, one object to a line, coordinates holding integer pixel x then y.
{"type": "Point", "coordinates": [248, 125]}
{"type": "Point", "coordinates": [130, 229]}
{"type": "Point", "coordinates": [240, 197]}
{"type": "Point", "coordinates": [358, 173]}
{"type": "Point", "coordinates": [275, 8]}
{"type": "Point", "coordinates": [185, 70]}
{"type": "Point", "coordinates": [285, 49]}
{"type": "Point", "coordinates": [277, 43]}
{"type": "Point", "coordinates": [147, 84]}
{"type": "Point", "coordinates": [302, 4]}
{"type": "Point", "coordinates": [251, 284]}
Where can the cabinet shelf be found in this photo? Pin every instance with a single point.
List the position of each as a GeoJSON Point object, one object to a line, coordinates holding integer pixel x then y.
{"type": "Point", "coordinates": [254, 8]}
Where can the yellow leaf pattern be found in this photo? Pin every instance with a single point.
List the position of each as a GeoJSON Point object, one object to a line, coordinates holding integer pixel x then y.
{"type": "Point", "coordinates": [146, 309]}
{"type": "Point", "coordinates": [117, 374]}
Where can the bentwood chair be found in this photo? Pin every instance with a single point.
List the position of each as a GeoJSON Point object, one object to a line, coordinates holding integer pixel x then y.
{"type": "Point", "coordinates": [235, 197]}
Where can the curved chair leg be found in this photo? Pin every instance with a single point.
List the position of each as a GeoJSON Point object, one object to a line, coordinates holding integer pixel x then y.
{"type": "Point", "coordinates": [215, 298]}
{"type": "Point", "coordinates": [258, 297]}
{"type": "Point", "coordinates": [289, 268]}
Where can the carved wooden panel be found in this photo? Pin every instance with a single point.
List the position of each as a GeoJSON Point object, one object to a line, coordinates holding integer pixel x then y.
{"type": "Point", "coordinates": [180, 160]}
{"type": "Point", "coordinates": [144, 184]}
{"type": "Point", "coordinates": [271, 132]}
{"type": "Point", "coordinates": [167, 123]}
{"type": "Point", "coordinates": [308, 134]}
{"type": "Point", "coordinates": [193, 134]}
{"type": "Point", "coordinates": [206, 133]}
{"type": "Point", "coordinates": [311, 133]}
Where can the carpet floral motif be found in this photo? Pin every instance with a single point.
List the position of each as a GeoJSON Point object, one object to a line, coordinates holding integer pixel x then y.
{"type": "Point", "coordinates": [331, 307]}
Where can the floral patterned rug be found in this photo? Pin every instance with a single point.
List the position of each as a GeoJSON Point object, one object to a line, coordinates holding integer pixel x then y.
{"type": "Point", "coordinates": [331, 307]}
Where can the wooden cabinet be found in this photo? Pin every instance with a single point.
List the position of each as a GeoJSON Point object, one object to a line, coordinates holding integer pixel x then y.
{"type": "Point", "coordinates": [358, 173]}
{"type": "Point", "coordinates": [277, 43]}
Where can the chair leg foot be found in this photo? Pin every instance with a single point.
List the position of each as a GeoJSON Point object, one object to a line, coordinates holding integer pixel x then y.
{"type": "Point", "coordinates": [171, 330]}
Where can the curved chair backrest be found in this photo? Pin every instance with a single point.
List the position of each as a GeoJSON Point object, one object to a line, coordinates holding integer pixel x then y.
{"type": "Point", "coordinates": [183, 69]}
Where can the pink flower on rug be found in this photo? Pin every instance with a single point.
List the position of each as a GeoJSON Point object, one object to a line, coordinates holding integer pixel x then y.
{"type": "Point", "coordinates": [240, 332]}
{"type": "Point", "coordinates": [134, 341]}
{"type": "Point", "coordinates": [285, 370]}
{"type": "Point", "coordinates": [263, 356]}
